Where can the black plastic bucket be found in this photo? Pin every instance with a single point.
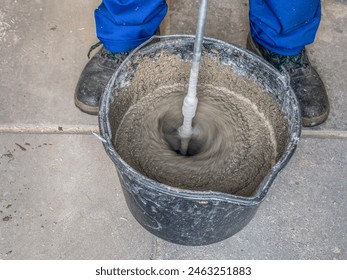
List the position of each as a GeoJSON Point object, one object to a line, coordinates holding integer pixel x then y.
{"type": "Point", "coordinates": [196, 217]}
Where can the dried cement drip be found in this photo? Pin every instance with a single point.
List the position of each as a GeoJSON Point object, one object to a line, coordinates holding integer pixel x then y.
{"type": "Point", "coordinates": [235, 143]}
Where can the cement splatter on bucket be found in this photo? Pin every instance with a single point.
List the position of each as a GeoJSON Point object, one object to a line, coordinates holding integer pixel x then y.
{"type": "Point", "coordinates": [247, 123]}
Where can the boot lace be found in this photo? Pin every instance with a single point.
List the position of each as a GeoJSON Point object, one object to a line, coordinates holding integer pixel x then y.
{"type": "Point", "coordinates": [288, 63]}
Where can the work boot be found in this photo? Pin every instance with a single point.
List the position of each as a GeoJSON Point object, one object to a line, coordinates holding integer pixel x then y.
{"type": "Point", "coordinates": [304, 80]}
{"type": "Point", "coordinates": [94, 78]}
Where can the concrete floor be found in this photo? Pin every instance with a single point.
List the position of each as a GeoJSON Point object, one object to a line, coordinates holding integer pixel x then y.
{"type": "Point", "coordinates": [60, 197]}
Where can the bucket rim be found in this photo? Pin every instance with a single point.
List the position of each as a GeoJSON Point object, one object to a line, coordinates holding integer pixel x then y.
{"type": "Point", "coordinates": [257, 197]}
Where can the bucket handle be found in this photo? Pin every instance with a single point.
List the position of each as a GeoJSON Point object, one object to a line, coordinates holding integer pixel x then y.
{"type": "Point", "coordinates": [97, 135]}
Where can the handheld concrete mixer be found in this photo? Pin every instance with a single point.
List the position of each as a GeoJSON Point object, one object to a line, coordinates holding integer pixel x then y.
{"type": "Point", "coordinates": [190, 102]}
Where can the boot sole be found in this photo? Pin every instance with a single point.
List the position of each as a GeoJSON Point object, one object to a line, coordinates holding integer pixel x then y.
{"type": "Point", "coordinates": [306, 122]}
{"type": "Point", "coordinates": [91, 110]}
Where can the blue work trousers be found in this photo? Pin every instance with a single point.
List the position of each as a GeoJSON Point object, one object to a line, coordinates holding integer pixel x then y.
{"type": "Point", "coordinates": [282, 26]}
{"type": "Point", "coordinates": [122, 25]}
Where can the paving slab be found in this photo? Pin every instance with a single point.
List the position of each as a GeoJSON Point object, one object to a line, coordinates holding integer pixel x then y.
{"type": "Point", "coordinates": [302, 217]}
{"type": "Point", "coordinates": [60, 198]}
{"type": "Point", "coordinates": [226, 20]}
{"type": "Point", "coordinates": [328, 54]}
{"type": "Point", "coordinates": [43, 46]}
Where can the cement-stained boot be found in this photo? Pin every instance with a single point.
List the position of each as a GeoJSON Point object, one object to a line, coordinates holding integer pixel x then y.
{"type": "Point", "coordinates": [94, 78]}
{"type": "Point", "coordinates": [304, 80]}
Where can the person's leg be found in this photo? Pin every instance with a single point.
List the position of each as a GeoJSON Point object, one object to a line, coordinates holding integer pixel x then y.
{"type": "Point", "coordinates": [121, 25]}
{"type": "Point", "coordinates": [280, 30]}
{"type": "Point", "coordinates": [282, 26]}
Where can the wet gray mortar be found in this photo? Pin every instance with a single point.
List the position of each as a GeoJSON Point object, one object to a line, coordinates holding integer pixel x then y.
{"type": "Point", "coordinates": [241, 130]}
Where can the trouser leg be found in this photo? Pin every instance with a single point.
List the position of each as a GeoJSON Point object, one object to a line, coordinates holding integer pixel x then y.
{"type": "Point", "coordinates": [284, 26]}
{"type": "Point", "coordinates": [122, 25]}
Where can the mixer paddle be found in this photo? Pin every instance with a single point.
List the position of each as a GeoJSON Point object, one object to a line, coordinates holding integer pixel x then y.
{"type": "Point", "coordinates": [191, 101]}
